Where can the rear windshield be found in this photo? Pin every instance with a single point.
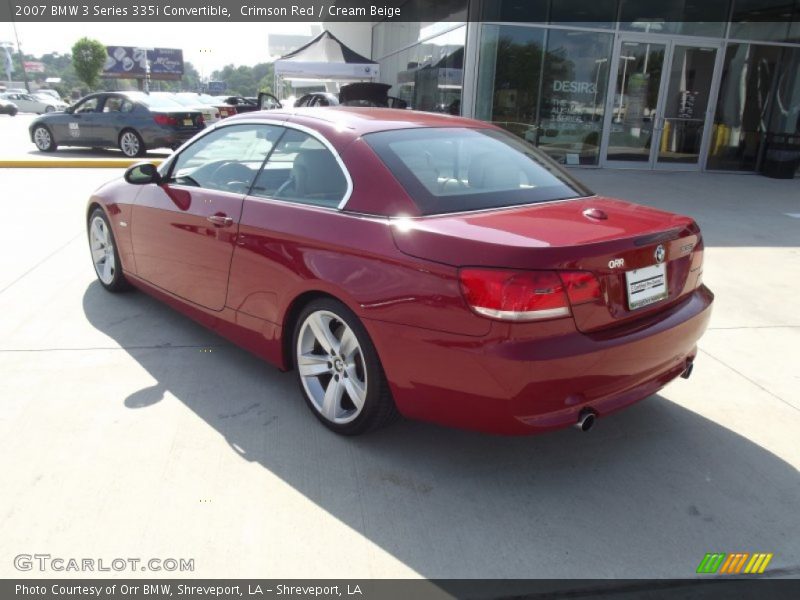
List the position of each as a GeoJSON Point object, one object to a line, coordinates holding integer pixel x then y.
{"type": "Point", "coordinates": [453, 169]}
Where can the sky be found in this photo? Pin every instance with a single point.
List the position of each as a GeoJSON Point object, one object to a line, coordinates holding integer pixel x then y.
{"type": "Point", "coordinates": [208, 46]}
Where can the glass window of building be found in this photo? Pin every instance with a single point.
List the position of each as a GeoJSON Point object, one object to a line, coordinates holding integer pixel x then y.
{"type": "Point", "coordinates": [429, 75]}
{"type": "Point", "coordinates": [685, 17]}
{"type": "Point", "coordinates": [573, 95]}
{"type": "Point", "coordinates": [743, 104]}
{"type": "Point", "coordinates": [761, 19]}
{"type": "Point", "coordinates": [786, 108]}
{"type": "Point", "coordinates": [509, 77]}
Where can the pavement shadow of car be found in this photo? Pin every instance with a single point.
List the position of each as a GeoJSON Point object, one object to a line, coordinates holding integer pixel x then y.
{"type": "Point", "coordinates": [645, 494]}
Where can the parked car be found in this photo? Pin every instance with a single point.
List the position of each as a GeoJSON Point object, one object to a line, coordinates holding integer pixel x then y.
{"type": "Point", "coordinates": [210, 113]}
{"type": "Point", "coordinates": [353, 94]}
{"type": "Point", "coordinates": [134, 122]}
{"type": "Point", "coordinates": [52, 93]}
{"type": "Point", "coordinates": [318, 99]}
{"type": "Point", "coordinates": [225, 110]}
{"type": "Point", "coordinates": [267, 101]}
{"type": "Point", "coordinates": [34, 103]}
{"type": "Point", "coordinates": [241, 103]}
{"type": "Point", "coordinates": [413, 263]}
{"type": "Point", "coordinates": [7, 107]}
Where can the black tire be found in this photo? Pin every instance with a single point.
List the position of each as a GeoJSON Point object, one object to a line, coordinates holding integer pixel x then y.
{"type": "Point", "coordinates": [128, 147]}
{"type": "Point", "coordinates": [379, 409]}
{"type": "Point", "coordinates": [43, 139]}
{"type": "Point", "coordinates": [117, 282]}
{"type": "Point", "coordinates": [49, 109]}
{"type": "Point", "coordinates": [13, 113]}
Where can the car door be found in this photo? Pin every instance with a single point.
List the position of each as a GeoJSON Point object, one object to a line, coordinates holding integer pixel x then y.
{"type": "Point", "coordinates": [109, 118]}
{"type": "Point", "coordinates": [80, 129]}
{"type": "Point", "coordinates": [184, 229]}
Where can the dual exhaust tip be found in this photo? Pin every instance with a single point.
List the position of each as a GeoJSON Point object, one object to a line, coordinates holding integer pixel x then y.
{"type": "Point", "coordinates": [586, 420]}
{"type": "Point", "coordinates": [588, 416]}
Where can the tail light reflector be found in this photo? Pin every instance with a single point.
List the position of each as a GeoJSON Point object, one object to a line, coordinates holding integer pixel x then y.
{"type": "Point", "coordinates": [165, 119]}
{"type": "Point", "coordinates": [514, 295]}
{"type": "Point", "coordinates": [581, 286]}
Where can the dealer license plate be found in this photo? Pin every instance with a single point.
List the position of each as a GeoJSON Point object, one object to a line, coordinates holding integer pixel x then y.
{"type": "Point", "coordinates": [646, 286]}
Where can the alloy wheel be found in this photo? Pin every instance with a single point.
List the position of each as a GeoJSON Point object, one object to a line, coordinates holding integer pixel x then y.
{"type": "Point", "coordinates": [331, 366]}
{"type": "Point", "coordinates": [42, 139]}
{"type": "Point", "coordinates": [102, 250]}
{"type": "Point", "coordinates": [129, 144]}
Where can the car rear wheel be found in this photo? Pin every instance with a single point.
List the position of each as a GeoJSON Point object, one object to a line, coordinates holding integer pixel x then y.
{"type": "Point", "coordinates": [338, 369]}
{"type": "Point", "coordinates": [105, 256]}
{"type": "Point", "coordinates": [44, 139]}
{"type": "Point", "coordinates": [49, 109]}
{"type": "Point", "coordinates": [131, 144]}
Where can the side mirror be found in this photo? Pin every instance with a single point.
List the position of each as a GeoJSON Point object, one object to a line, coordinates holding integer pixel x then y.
{"type": "Point", "coordinates": [142, 174]}
{"type": "Point", "coordinates": [69, 110]}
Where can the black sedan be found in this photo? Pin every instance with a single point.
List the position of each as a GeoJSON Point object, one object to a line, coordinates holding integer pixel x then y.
{"type": "Point", "coordinates": [241, 103]}
{"type": "Point", "coordinates": [134, 122]}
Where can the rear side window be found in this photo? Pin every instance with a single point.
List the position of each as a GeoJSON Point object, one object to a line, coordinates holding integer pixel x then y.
{"type": "Point", "coordinates": [302, 169]}
{"type": "Point", "coordinates": [457, 169]}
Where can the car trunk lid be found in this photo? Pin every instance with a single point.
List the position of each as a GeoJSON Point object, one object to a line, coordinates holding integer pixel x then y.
{"type": "Point", "coordinates": [607, 237]}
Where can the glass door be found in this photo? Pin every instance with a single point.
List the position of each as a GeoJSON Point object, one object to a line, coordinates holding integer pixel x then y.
{"type": "Point", "coordinates": [685, 116]}
{"type": "Point", "coordinates": [632, 114]}
{"type": "Point", "coordinates": [657, 116]}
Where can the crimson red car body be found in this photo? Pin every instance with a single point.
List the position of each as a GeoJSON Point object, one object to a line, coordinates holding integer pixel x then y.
{"type": "Point", "coordinates": [398, 271]}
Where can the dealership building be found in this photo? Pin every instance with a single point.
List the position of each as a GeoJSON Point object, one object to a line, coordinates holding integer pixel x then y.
{"type": "Point", "coordinates": [670, 84]}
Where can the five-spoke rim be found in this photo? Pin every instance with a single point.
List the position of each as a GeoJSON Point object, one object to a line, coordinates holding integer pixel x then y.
{"type": "Point", "coordinates": [42, 138]}
{"type": "Point", "coordinates": [130, 144]}
{"type": "Point", "coordinates": [102, 250]}
{"type": "Point", "coordinates": [331, 367]}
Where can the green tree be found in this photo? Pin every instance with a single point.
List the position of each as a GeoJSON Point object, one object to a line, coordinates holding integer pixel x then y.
{"type": "Point", "coordinates": [88, 58]}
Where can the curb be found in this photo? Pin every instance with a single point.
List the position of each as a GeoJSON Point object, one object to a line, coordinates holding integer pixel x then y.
{"type": "Point", "coordinates": [74, 163]}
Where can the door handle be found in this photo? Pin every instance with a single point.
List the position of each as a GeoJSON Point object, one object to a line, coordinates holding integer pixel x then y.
{"type": "Point", "coordinates": [220, 220]}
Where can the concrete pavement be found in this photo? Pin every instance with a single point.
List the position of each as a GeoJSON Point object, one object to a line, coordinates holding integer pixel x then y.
{"type": "Point", "coordinates": [129, 431]}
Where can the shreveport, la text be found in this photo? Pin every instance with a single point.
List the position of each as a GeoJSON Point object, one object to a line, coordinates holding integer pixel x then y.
{"type": "Point", "coordinates": [195, 591]}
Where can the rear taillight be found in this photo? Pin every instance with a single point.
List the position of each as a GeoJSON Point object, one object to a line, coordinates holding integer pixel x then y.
{"type": "Point", "coordinates": [582, 287]}
{"type": "Point", "coordinates": [201, 121]}
{"type": "Point", "coordinates": [514, 295]}
{"type": "Point", "coordinates": [216, 115]}
{"type": "Point", "coordinates": [696, 267]}
{"type": "Point", "coordinates": [165, 119]}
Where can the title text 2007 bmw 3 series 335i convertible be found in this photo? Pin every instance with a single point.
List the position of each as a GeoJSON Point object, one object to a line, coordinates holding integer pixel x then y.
{"type": "Point", "coordinates": [409, 263]}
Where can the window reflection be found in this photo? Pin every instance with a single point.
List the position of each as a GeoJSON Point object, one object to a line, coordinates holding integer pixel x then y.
{"type": "Point", "coordinates": [740, 121]}
{"type": "Point", "coordinates": [573, 95]}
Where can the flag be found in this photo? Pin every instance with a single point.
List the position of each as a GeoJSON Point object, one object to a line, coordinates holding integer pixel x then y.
{"type": "Point", "coordinates": [9, 64]}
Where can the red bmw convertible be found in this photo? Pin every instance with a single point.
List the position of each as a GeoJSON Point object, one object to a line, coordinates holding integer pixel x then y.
{"type": "Point", "coordinates": [412, 264]}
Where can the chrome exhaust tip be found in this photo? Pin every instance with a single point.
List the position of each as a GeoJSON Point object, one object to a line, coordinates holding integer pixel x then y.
{"type": "Point", "coordinates": [687, 372]}
{"type": "Point", "coordinates": [586, 420]}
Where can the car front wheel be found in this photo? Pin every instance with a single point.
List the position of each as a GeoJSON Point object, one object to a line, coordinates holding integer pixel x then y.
{"type": "Point", "coordinates": [105, 256]}
{"type": "Point", "coordinates": [44, 139]}
{"type": "Point", "coordinates": [338, 369]}
{"type": "Point", "coordinates": [49, 109]}
{"type": "Point", "coordinates": [131, 144]}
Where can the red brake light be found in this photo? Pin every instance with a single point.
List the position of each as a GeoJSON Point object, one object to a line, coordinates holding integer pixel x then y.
{"type": "Point", "coordinates": [165, 119]}
{"type": "Point", "coordinates": [231, 111]}
{"type": "Point", "coordinates": [201, 121]}
{"type": "Point", "coordinates": [514, 295]}
{"type": "Point", "coordinates": [581, 286]}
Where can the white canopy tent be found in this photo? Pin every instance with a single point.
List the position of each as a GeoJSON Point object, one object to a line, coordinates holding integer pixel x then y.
{"type": "Point", "coordinates": [325, 59]}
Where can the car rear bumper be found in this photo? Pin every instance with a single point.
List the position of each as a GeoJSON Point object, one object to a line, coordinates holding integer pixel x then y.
{"type": "Point", "coordinates": [518, 386]}
{"type": "Point", "coordinates": [166, 137]}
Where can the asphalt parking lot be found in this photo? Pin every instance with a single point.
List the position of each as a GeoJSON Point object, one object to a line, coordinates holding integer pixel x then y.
{"type": "Point", "coordinates": [128, 431]}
